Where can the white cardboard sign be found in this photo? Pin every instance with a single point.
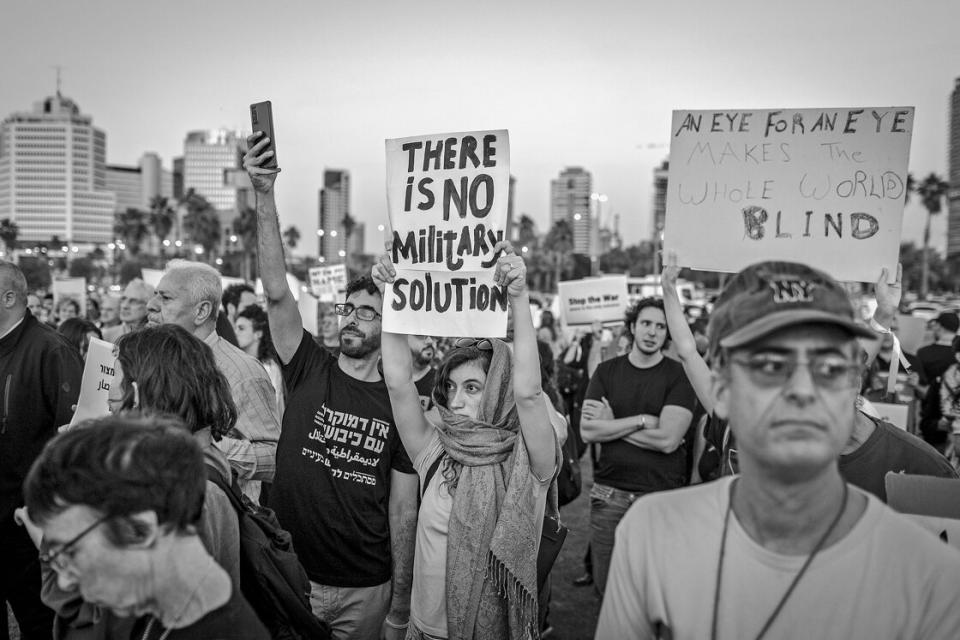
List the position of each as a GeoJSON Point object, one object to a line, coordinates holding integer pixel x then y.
{"type": "Point", "coordinates": [824, 187]}
{"type": "Point", "coordinates": [328, 283]}
{"type": "Point", "coordinates": [447, 198]}
{"type": "Point", "coordinates": [98, 375]}
{"type": "Point", "coordinates": [584, 301]}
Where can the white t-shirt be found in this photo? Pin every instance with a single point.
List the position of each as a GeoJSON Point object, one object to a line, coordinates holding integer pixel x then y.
{"type": "Point", "coordinates": [428, 593]}
{"type": "Point", "coordinates": [888, 578]}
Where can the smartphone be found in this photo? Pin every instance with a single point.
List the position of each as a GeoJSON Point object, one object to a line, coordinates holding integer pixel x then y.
{"type": "Point", "coordinates": [261, 119]}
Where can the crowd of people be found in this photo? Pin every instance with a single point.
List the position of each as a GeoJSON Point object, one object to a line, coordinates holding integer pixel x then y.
{"type": "Point", "coordinates": [739, 468]}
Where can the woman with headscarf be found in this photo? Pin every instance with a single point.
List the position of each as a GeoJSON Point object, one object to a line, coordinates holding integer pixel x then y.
{"type": "Point", "coordinates": [475, 573]}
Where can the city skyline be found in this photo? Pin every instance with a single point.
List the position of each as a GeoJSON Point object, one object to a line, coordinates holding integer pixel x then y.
{"type": "Point", "coordinates": [344, 78]}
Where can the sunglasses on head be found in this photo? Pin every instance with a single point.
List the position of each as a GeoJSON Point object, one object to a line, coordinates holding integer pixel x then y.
{"type": "Point", "coordinates": [464, 343]}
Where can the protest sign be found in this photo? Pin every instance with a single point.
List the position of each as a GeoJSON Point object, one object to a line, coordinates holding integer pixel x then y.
{"type": "Point", "coordinates": [447, 199]}
{"type": "Point", "coordinates": [328, 284]}
{"type": "Point", "coordinates": [98, 375]}
{"type": "Point", "coordinates": [896, 414]}
{"type": "Point", "coordinates": [72, 289]}
{"type": "Point", "coordinates": [152, 276]}
{"type": "Point", "coordinates": [821, 186]}
{"type": "Point", "coordinates": [584, 301]}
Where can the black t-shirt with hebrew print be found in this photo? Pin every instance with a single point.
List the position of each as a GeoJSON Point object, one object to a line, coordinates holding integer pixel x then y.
{"type": "Point", "coordinates": [337, 448]}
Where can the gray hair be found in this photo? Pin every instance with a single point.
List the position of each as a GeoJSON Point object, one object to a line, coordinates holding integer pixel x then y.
{"type": "Point", "coordinates": [141, 287]}
{"type": "Point", "coordinates": [11, 276]}
{"type": "Point", "coordinates": [200, 281]}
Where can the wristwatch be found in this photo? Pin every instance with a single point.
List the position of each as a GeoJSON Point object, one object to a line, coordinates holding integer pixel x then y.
{"type": "Point", "coordinates": [643, 422]}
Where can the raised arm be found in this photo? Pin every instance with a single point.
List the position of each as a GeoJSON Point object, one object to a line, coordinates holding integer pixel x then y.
{"type": "Point", "coordinates": [413, 427]}
{"type": "Point", "coordinates": [693, 363]}
{"type": "Point", "coordinates": [286, 325]}
{"type": "Point", "coordinates": [888, 303]}
{"type": "Point", "coordinates": [538, 434]}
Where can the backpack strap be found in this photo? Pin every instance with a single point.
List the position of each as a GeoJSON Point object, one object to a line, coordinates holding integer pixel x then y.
{"type": "Point", "coordinates": [232, 490]}
{"type": "Point", "coordinates": [431, 471]}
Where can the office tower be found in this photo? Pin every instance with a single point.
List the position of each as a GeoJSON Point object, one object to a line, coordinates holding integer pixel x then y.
{"type": "Point", "coordinates": [177, 179]}
{"type": "Point", "coordinates": [570, 201]}
{"type": "Point", "coordinates": [53, 174]}
{"type": "Point", "coordinates": [207, 157]}
{"type": "Point", "coordinates": [953, 175]}
{"type": "Point", "coordinates": [659, 199]}
{"type": "Point", "coordinates": [334, 211]}
{"type": "Point", "coordinates": [135, 187]}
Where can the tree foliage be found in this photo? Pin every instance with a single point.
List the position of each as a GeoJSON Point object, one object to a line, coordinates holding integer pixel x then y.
{"type": "Point", "coordinates": [130, 227]}
{"type": "Point", "coordinates": [201, 224]}
{"type": "Point", "coordinates": [9, 231]}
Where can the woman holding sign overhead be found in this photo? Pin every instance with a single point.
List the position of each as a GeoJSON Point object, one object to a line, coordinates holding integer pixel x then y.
{"type": "Point", "coordinates": [485, 469]}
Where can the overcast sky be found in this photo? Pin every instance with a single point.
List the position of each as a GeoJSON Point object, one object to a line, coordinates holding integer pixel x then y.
{"type": "Point", "coordinates": [576, 83]}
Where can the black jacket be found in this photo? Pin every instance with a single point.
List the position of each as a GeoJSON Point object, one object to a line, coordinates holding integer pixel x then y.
{"type": "Point", "coordinates": [39, 381]}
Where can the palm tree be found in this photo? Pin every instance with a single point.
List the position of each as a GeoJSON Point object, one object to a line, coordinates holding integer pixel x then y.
{"type": "Point", "coordinates": [201, 224]}
{"type": "Point", "coordinates": [291, 237]}
{"type": "Point", "coordinates": [162, 218]}
{"type": "Point", "coordinates": [131, 227]}
{"type": "Point", "coordinates": [559, 246]}
{"type": "Point", "coordinates": [245, 226]}
{"type": "Point", "coordinates": [931, 190]}
{"type": "Point", "coordinates": [8, 233]}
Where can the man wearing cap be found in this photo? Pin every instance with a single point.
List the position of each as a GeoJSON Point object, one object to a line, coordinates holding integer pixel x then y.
{"type": "Point", "coordinates": [935, 359]}
{"type": "Point", "coordinates": [787, 548]}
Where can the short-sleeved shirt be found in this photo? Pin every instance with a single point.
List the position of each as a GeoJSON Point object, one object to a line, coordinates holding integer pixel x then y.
{"type": "Point", "coordinates": [336, 452]}
{"type": "Point", "coordinates": [886, 578]}
{"type": "Point", "coordinates": [633, 391]}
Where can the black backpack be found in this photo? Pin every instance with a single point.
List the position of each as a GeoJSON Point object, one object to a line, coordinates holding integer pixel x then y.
{"type": "Point", "coordinates": [271, 577]}
{"type": "Point", "coordinates": [569, 481]}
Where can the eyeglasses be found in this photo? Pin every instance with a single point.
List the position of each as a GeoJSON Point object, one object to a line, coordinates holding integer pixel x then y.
{"type": "Point", "coordinates": [363, 312]}
{"type": "Point", "coordinates": [464, 343]}
{"type": "Point", "coordinates": [57, 557]}
{"type": "Point", "coordinates": [773, 370]}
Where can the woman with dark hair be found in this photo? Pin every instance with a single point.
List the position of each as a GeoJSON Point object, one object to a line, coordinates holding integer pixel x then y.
{"type": "Point", "coordinates": [475, 573]}
{"type": "Point", "coordinates": [253, 336]}
{"type": "Point", "coordinates": [78, 332]}
{"type": "Point", "coordinates": [165, 370]}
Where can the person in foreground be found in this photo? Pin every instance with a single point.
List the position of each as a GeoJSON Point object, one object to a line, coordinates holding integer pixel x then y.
{"type": "Point", "coordinates": [475, 565]}
{"type": "Point", "coordinates": [787, 548]}
{"type": "Point", "coordinates": [118, 504]}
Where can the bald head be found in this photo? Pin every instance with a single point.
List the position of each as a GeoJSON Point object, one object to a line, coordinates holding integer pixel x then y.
{"type": "Point", "coordinates": [13, 294]}
{"type": "Point", "coordinates": [189, 296]}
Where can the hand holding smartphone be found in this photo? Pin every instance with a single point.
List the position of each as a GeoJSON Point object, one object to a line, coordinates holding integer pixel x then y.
{"type": "Point", "coordinates": [261, 119]}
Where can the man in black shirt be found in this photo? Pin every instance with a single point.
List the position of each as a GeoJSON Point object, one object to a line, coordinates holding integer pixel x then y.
{"type": "Point", "coordinates": [639, 406]}
{"type": "Point", "coordinates": [344, 488]}
{"type": "Point", "coordinates": [423, 349]}
{"type": "Point", "coordinates": [935, 359]}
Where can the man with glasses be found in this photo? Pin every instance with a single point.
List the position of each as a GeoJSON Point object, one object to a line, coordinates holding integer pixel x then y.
{"type": "Point", "coordinates": [345, 488]}
{"type": "Point", "coordinates": [125, 537]}
{"type": "Point", "coordinates": [133, 310]}
{"type": "Point", "coordinates": [786, 548]}
{"type": "Point", "coordinates": [39, 381]}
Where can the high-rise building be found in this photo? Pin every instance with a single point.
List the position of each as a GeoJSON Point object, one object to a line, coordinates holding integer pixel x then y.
{"type": "Point", "coordinates": [334, 210]}
{"type": "Point", "coordinates": [570, 201]}
{"type": "Point", "coordinates": [659, 199]}
{"type": "Point", "coordinates": [207, 156]}
{"type": "Point", "coordinates": [953, 176]}
{"type": "Point", "coordinates": [53, 174]}
{"type": "Point", "coordinates": [135, 187]}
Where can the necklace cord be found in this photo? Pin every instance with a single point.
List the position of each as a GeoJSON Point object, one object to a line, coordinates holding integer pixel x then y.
{"type": "Point", "coordinates": [796, 579]}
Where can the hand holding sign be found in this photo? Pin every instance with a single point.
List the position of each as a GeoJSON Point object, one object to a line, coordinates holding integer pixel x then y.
{"type": "Point", "coordinates": [511, 271]}
{"type": "Point", "coordinates": [888, 296]}
{"type": "Point", "coordinates": [670, 273]}
{"type": "Point", "coordinates": [253, 161]}
{"type": "Point", "coordinates": [382, 270]}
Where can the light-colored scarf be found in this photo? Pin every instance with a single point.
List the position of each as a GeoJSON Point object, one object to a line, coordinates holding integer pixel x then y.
{"type": "Point", "coordinates": [494, 533]}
